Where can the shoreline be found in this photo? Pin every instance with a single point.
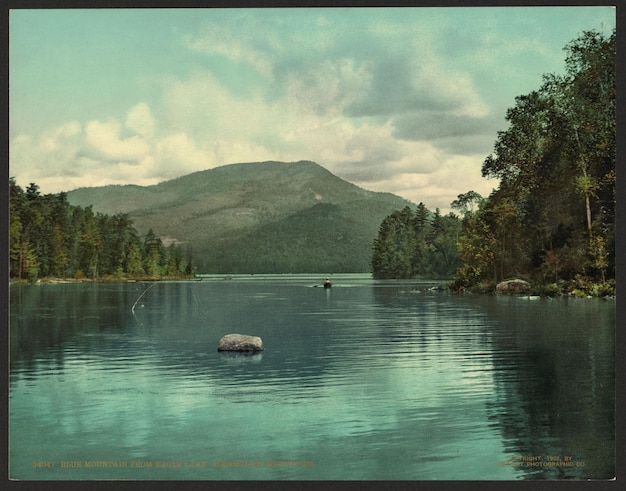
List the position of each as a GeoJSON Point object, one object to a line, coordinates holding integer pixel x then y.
{"type": "Point", "coordinates": [130, 279]}
{"type": "Point", "coordinates": [589, 290]}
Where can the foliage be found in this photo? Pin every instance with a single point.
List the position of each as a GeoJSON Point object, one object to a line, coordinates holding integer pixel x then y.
{"type": "Point", "coordinates": [261, 217]}
{"type": "Point", "coordinates": [420, 243]}
{"type": "Point", "coordinates": [323, 238]}
{"type": "Point", "coordinates": [551, 219]}
{"type": "Point", "coordinates": [48, 237]}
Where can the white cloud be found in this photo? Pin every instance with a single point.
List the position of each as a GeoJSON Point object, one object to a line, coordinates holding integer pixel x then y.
{"type": "Point", "coordinates": [234, 151]}
{"type": "Point", "coordinates": [205, 124]}
{"type": "Point", "coordinates": [103, 142]}
{"type": "Point", "coordinates": [240, 44]}
{"type": "Point", "coordinates": [328, 88]}
{"type": "Point", "coordinates": [401, 100]}
{"type": "Point", "coordinates": [436, 187]}
{"type": "Point", "coordinates": [382, 112]}
{"type": "Point", "coordinates": [201, 105]}
{"type": "Point", "coordinates": [52, 153]}
{"type": "Point", "coordinates": [179, 154]}
{"type": "Point", "coordinates": [140, 120]}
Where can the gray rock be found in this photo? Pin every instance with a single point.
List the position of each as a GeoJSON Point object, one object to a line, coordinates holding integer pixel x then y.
{"type": "Point", "coordinates": [240, 342]}
{"type": "Point", "coordinates": [513, 287]}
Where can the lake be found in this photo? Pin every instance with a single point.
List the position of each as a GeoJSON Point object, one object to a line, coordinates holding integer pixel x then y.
{"type": "Point", "coordinates": [370, 379]}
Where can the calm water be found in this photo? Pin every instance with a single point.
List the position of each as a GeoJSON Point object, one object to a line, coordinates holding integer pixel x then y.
{"type": "Point", "coordinates": [368, 380]}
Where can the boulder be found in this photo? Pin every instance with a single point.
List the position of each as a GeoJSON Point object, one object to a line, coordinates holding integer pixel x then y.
{"type": "Point", "coordinates": [240, 342]}
{"type": "Point", "coordinates": [513, 287]}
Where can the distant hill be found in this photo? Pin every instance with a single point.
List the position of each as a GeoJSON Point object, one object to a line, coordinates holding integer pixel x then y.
{"type": "Point", "coordinates": [264, 217]}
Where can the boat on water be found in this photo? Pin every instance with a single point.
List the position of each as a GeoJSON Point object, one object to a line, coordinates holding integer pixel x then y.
{"type": "Point", "coordinates": [327, 283]}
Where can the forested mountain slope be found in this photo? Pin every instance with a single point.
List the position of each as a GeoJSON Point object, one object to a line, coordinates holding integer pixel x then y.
{"type": "Point", "coordinates": [259, 217]}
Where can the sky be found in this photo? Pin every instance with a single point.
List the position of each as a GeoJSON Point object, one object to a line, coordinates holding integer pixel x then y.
{"type": "Point", "coordinates": [400, 100]}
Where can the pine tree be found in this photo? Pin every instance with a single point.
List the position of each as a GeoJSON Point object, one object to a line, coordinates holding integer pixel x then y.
{"type": "Point", "coordinates": [154, 254]}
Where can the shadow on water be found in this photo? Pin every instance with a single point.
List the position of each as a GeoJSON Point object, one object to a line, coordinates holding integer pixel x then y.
{"type": "Point", "coordinates": [177, 326]}
{"type": "Point", "coordinates": [408, 364]}
{"type": "Point", "coordinates": [552, 365]}
{"type": "Point", "coordinates": [49, 321]}
{"type": "Point", "coordinates": [236, 358]}
{"type": "Point", "coordinates": [555, 378]}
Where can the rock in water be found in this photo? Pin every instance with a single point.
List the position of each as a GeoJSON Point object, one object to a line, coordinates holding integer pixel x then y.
{"type": "Point", "coordinates": [513, 287]}
{"type": "Point", "coordinates": [240, 342]}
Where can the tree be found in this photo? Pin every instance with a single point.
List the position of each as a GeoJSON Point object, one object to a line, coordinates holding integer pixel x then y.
{"type": "Point", "coordinates": [466, 202]}
{"type": "Point", "coordinates": [59, 247]}
{"type": "Point", "coordinates": [134, 265]}
{"type": "Point", "coordinates": [394, 246]}
{"type": "Point", "coordinates": [189, 266]}
{"type": "Point", "coordinates": [154, 254]}
{"type": "Point", "coordinates": [89, 244]}
{"type": "Point", "coordinates": [411, 244]}
{"type": "Point", "coordinates": [476, 248]}
{"type": "Point", "coordinates": [174, 259]}
{"type": "Point", "coordinates": [59, 260]}
{"type": "Point", "coordinates": [48, 236]}
{"type": "Point", "coordinates": [553, 212]}
{"type": "Point", "coordinates": [28, 261]}
{"type": "Point", "coordinates": [16, 207]}
{"type": "Point", "coordinates": [443, 238]}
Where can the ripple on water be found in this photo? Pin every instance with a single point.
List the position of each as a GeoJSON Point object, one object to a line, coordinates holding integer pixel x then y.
{"type": "Point", "coordinates": [371, 381]}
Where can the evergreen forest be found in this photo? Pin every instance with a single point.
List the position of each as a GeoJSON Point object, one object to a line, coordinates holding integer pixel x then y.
{"type": "Point", "coordinates": [48, 237]}
{"type": "Point", "coordinates": [416, 244]}
{"type": "Point", "coordinates": [551, 219]}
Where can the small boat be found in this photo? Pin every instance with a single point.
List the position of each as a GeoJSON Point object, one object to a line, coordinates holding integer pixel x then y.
{"type": "Point", "coordinates": [327, 283]}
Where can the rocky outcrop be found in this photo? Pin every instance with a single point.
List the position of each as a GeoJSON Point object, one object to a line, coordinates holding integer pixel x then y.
{"type": "Point", "coordinates": [240, 342]}
{"type": "Point", "coordinates": [513, 287]}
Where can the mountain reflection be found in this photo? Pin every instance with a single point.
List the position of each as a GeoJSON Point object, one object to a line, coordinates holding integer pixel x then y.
{"type": "Point", "coordinates": [383, 379]}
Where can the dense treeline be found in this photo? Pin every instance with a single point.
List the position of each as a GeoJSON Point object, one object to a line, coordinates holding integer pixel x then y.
{"type": "Point", "coordinates": [48, 237]}
{"type": "Point", "coordinates": [551, 220]}
{"type": "Point", "coordinates": [419, 243]}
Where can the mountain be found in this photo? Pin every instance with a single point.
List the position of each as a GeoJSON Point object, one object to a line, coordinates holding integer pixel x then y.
{"type": "Point", "coordinates": [263, 217]}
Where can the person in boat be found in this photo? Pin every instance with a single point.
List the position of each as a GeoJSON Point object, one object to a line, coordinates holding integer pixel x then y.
{"type": "Point", "coordinates": [327, 283]}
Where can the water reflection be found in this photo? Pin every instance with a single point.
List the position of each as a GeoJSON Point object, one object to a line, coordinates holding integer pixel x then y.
{"type": "Point", "coordinates": [555, 377]}
{"type": "Point", "coordinates": [50, 321]}
{"type": "Point", "coordinates": [237, 358]}
{"type": "Point", "coordinates": [371, 380]}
